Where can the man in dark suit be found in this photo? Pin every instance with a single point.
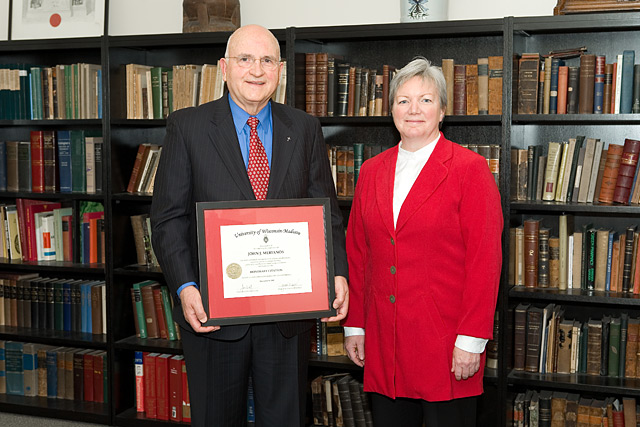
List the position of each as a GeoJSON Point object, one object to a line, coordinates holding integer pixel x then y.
{"type": "Point", "coordinates": [209, 154]}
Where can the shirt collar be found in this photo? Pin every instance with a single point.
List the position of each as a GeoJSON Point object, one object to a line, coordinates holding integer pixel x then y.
{"type": "Point", "coordinates": [422, 154]}
{"type": "Point", "coordinates": [240, 116]}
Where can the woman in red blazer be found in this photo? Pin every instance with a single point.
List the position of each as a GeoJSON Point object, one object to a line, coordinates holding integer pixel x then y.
{"type": "Point", "coordinates": [424, 251]}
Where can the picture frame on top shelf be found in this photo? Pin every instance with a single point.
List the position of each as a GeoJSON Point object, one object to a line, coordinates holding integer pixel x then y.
{"type": "Point", "coordinates": [565, 7]}
{"type": "Point", "coordinates": [52, 19]}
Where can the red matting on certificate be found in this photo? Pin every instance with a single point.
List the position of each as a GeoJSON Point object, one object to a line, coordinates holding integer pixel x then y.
{"type": "Point", "coordinates": [221, 307]}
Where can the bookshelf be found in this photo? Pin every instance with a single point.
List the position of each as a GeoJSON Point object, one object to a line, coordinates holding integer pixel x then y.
{"type": "Point", "coordinates": [369, 46]}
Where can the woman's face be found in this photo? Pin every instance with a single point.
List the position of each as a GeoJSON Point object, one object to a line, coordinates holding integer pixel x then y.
{"type": "Point", "coordinates": [417, 111]}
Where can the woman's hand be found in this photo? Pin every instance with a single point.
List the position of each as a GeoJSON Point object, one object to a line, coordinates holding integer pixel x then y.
{"type": "Point", "coordinates": [464, 364]}
{"type": "Point", "coordinates": [355, 349]}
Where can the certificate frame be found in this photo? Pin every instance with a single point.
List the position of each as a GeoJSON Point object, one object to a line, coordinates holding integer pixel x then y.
{"type": "Point", "coordinates": [265, 218]}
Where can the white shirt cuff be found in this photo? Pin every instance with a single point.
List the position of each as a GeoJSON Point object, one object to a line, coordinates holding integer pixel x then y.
{"type": "Point", "coordinates": [470, 344]}
{"type": "Point", "coordinates": [350, 331]}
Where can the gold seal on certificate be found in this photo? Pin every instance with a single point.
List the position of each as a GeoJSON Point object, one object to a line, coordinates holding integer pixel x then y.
{"type": "Point", "coordinates": [234, 270]}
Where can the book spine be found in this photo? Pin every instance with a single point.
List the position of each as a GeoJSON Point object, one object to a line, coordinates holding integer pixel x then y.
{"type": "Point", "coordinates": [627, 171]}
{"type": "Point", "coordinates": [626, 85]}
{"type": "Point", "coordinates": [598, 87]}
{"type": "Point", "coordinates": [587, 81]}
{"type": "Point", "coordinates": [553, 89]}
{"type": "Point", "coordinates": [459, 90]}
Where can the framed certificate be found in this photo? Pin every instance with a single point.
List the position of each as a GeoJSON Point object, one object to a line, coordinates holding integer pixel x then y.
{"type": "Point", "coordinates": [265, 261]}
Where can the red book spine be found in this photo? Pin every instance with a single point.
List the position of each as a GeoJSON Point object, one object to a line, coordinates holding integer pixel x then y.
{"type": "Point", "coordinates": [88, 378]}
{"type": "Point", "coordinates": [162, 386]}
{"type": "Point", "coordinates": [37, 161]}
{"type": "Point", "coordinates": [162, 323]}
{"type": "Point", "coordinates": [186, 403]}
{"type": "Point", "coordinates": [67, 238]}
{"type": "Point", "coordinates": [627, 171]}
{"type": "Point", "coordinates": [175, 388]}
{"type": "Point", "coordinates": [150, 408]}
{"type": "Point", "coordinates": [98, 378]}
{"type": "Point", "coordinates": [563, 79]}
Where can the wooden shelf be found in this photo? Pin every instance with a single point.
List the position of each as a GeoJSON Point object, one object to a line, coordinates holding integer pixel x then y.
{"type": "Point", "coordinates": [575, 296]}
{"type": "Point", "coordinates": [50, 337]}
{"type": "Point", "coordinates": [88, 412]}
{"type": "Point", "coordinates": [151, 345]}
{"type": "Point", "coordinates": [573, 207]}
{"type": "Point", "coordinates": [132, 418]}
{"type": "Point", "coordinates": [578, 383]}
{"type": "Point", "coordinates": [53, 266]}
{"type": "Point", "coordinates": [51, 196]}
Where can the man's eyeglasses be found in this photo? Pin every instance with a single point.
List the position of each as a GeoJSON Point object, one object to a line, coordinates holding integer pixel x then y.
{"type": "Point", "coordinates": [247, 61]}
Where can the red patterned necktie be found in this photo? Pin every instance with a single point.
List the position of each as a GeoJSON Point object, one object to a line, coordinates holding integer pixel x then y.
{"type": "Point", "coordinates": [258, 169]}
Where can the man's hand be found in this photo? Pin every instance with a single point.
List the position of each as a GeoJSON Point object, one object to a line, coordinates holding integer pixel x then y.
{"type": "Point", "coordinates": [341, 303]}
{"type": "Point", "coordinates": [193, 310]}
{"type": "Point", "coordinates": [355, 349]}
{"type": "Point", "coordinates": [464, 364]}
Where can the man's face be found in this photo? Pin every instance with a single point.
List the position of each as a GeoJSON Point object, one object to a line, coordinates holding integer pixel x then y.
{"type": "Point", "coordinates": [252, 87]}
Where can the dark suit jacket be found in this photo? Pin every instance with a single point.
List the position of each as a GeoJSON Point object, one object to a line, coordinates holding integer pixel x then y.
{"type": "Point", "coordinates": [201, 162]}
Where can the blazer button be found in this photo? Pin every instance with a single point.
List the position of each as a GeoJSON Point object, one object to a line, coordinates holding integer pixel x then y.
{"type": "Point", "coordinates": [392, 299]}
{"type": "Point", "coordinates": [393, 242]}
{"type": "Point", "coordinates": [393, 270]}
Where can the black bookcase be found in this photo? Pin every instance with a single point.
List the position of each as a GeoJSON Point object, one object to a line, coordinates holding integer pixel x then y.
{"type": "Point", "coordinates": [369, 46]}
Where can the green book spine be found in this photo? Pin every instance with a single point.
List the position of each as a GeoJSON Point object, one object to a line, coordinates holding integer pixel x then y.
{"type": "Point", "coordinates": [76, 92]}
{"type": "Point", "coordinates": [166, 305]}
{"type": "Point", "coordinates": [156, 91]}
{"type": "Point", "coordinates": [591, 259]}
{"type": "Point", "coordinates": [78, 168]}
{"type": "Point", "coordinates": [137, 295]}
{"type": "Point", "coordinates": [624, 325]}
{"type": "Point", "coordinates": [68, 96]}
{"type": "Point", "coordinates": [358, 158]}
{"type": "Point", "coordinates": [614, 347]}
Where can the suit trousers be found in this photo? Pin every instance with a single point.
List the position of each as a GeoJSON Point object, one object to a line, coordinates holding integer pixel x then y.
{"type": "Point", "coordinates": [218, 372]}
{"type": "Point", "coordinates": [405, 412]}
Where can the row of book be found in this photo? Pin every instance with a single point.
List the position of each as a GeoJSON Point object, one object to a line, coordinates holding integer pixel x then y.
{"type": "Point", "coordinates": [546, 342]}
{"type": "Point", "coordinates": [590, 86]}
{"type": "Point", "coordinates": [145, 254]}
{"type": "Point", "coordinates": [593, 259]}
{"type": "Point", "coordinates": [155, 92]}
{"type": "Point", "coordinates": [334, 88]}
{"type": "Point", "coordinates": [327, 339]}
{"type": "Point", "coordinates": [581, 170]}
{"type": "Point", "coordinates": [339, 400]}
{"type": "Point", "coordinates": [144, 169]}
{"type": "Point", "coordinates": [53, 304]}
{"type": "Point", "coordinates": [491, 152]}
{"type": "Point", "coordinates": [77, 374]}
{"type": "Point", "coordinates": [71, 91]}
{"type": "Point", "coordinates": [53, 161]}
{"type": "Point", "coordinates": [557, 408]}
{"type": "Point", "coordinates": [40, 230]}
{"type": "Point", "coordinates": [474, 89]}
{"type": "Point", "coordinates": [162, 390]}
{"type": "Point", "coordinates": [152, 306]}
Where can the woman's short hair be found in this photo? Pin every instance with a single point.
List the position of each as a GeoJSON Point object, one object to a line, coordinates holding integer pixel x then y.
{"type": "Point", "coordinates": [420, 67]}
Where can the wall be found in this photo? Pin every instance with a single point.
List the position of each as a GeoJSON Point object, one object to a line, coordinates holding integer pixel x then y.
{"type": "Point", "coordinates": [165, 16]}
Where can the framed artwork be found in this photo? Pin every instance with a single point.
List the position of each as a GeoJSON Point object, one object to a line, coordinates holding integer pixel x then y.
{"type": "Point", "coordinates": [52, 19]}
{"type": "Point", "coordinates": [265, 261]}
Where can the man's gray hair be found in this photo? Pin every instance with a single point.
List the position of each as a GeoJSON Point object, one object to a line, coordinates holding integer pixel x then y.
{"type": "Point", "coordinates": [420, 67]}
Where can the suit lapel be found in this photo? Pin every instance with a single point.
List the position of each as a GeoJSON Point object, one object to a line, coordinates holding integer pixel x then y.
{"type": "Point", "coordinates": [432, 175]}
{"type": "Point", "coordinates": [385, 177]}
{"type": "Point", "coordinates": [223, 136]}
{"type": "Point", "coordinates": [284, 142]}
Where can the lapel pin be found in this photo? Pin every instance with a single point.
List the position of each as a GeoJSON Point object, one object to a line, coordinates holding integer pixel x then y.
{"type": "Point", "coordinates": [288, 138]}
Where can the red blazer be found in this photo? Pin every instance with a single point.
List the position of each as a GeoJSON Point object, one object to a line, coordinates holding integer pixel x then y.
{"type": "Point", "coordinates": [416, 287]}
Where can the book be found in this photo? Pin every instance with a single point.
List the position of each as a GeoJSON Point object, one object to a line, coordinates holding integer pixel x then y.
{"type": "Point", "coordinates": [483, 86]}
{"type": "Point", "coordinates": [612, 166]}
{"type": "Point", "coordinates": [626, 171]}
{"type": "Point", "coordinates": [495, 85]}
{"type": "Point", "coordinates": [528, 83]}
{"type": "Point", "coordinates": [586, 85]}
{"type": "Point", "coordinates": [175, 388]}
{"type": "Point", "coordinates": [626, 84]}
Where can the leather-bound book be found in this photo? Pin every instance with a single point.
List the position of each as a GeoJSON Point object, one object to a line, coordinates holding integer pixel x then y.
{"type": "Point", "coordinates": [519, 267]}
{"type": "Point", "coordinates": [543, 257]}
{"type": "Point", "coordinates": [541, 74]}
{"type": "Point", "coordinates": [534, 336]}
{"type": "Point", "coordinates": [587, 80]}
{"type": "Point", "coordinates": [553, 89]}
{"type": "Point", "coordinates": [518, 409]}
{"type": "Point", "coordinates": [608, 87]}
{"type": "Point", "coordinates": [604, 348]}
{"type": "Point", "coordinates": [627, 171]}
{"type": "Point", "coordinates": [459, 89]}
{"type": "Point", "coordinates": [627, 262]}
{"type": "Point", "coordinates": [447, 70]}
{"type": "Point", "coordinates": [343, 90]}
{"type": "Point", "coordinates": [629, 409]}
{"type": "Point", "coordinates": [533, 154]}
{"type": "Point", "coordinates": [573, 90]}
{"type": "Point", "coordinates": [472, 89]}
{"type": "Point", "coordinates": [528, 83]}
{"type": "Point", "coordinates": [150, 315]}
{"type": "Point", "coordinates": [594, 344]}
{"type": "Point", "coordinates": [558, 408]}
{"type": "Point", "coordinates": [563, 80]}
{"type": "Point", "coordinates": [386, 80]}
{"type": "Point", "coordinates": [624, 327]}
{"type": "Point", "coordinates": [635, 104]}
{"type": "Point", "coordinates": [597, 412]}
{"type": "Point", "coordinates": [49, 152]}
{"type": "Point", "coordinates": [310, 83]}
{"type": "Point", "coordinates": [378, 95]}
{"type": "Point", "coordinates": [364, 92]}
{"type": "Point", "coordinates": [322, 76]}
{"type": "Point", "coordinates": [614, 347]}
{"type": "Point", "coordinates": [351, 93]}
{"type": "Point", "coordinates": [331, 85]}
{"type": "Point", "coordinates": [545, 408]}
{"type": "Point", "coordinates": [495, 85]}
{"type": "Point", "coordinates": [584, 410]}
{"type": "Point", "coordinates": [345, 401]}
{"type": "Point", "coordinates": [571, 414]}
{"type": "Point", "coordinates": [483, 86]}
{"type": "Point", "coordinates": [598, 85]}
{"type": "Point", "coordinates": [546, 98]}
{"type": "Point", "coordinates": [531, 247]}
{"type": "Point", "coordinates": [630, 359]}
{"type": "Point", "coordinates": [519, 174]}
{"type": "Point", "coordinates": [520, 336]}
{"type": "Point", "coordinates": [37, 161]}
{"type": "Point", "coordinates": [610, 175]}
{"type": "Point", "coordinates": [554, 262]}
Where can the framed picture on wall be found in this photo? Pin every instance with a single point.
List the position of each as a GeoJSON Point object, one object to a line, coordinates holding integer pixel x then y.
{"type": "Point", "coordinates": [47, 19]}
